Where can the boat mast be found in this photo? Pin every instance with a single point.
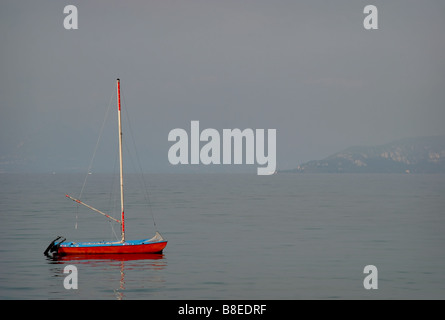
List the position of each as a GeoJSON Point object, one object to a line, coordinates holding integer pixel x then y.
{"type": "Point", "coordinates": [120, 158]}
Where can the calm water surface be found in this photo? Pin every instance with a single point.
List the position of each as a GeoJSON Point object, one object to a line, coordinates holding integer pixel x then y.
{"type": "Point", "coordinates": [286, 236]}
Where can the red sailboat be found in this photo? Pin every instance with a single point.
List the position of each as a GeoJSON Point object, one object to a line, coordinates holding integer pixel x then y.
{"type": "Point", "coordinates": [156, 244]}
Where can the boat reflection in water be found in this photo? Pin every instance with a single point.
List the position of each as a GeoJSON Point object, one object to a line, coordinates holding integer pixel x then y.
{"type": "Point", "coordinates": [132, 271]}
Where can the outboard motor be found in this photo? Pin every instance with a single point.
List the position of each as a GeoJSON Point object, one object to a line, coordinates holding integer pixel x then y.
{"type": "Point", "coordinates": [53, 248]}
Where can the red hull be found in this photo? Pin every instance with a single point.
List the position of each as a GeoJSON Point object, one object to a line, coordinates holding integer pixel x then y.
{"type": "Point", "coordinates": [86, 258]}
{"type": "Point", "coordinates": [113, 249]}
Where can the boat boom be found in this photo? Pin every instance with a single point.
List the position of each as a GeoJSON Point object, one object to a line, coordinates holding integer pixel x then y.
{"type": "Point", "coordinates": [94, 209]}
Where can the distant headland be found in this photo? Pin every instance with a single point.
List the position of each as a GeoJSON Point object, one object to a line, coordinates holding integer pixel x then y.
{"type": "Point", "coordinates": [409, 155]}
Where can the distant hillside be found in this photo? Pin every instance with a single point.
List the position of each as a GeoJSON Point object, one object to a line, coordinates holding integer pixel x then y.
{"type": "Point", "coordinates": [410, 155]}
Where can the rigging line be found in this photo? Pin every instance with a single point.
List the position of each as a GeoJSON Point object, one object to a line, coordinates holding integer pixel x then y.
{"type": "Point", "coordinates": [97, 144]}
{"type": "Point", "coordinates": [77, 214]}
{"type": "Point", "coordinates": [147, 197]}
{"type": "Point", "coordinates": [112, 199]}
{"type": "Point", "coordinates": [112, 229]}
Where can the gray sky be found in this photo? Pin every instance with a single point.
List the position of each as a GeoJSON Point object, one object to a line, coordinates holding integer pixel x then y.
{"type": "Point", "coordinates": [306, 68]}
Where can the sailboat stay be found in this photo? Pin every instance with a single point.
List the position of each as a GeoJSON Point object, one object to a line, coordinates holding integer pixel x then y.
{"type": "Point", "coordinates": [156, 244]}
